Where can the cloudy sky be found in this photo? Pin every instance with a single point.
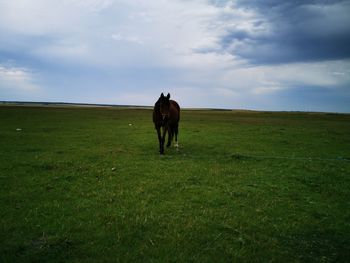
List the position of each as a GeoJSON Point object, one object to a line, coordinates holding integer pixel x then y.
{"type": "Point", "coordinates": [264, 55]}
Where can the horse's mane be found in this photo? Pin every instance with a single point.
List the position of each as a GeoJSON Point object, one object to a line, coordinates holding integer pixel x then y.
{"type": "Point", "coordinates": [157, 105]}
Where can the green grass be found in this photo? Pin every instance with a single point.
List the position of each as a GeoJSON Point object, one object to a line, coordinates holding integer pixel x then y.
{"type": "Point", "coordinates": [82, 185]}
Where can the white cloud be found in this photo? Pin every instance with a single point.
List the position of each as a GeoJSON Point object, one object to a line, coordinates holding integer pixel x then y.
{"type": "Point", "coordinates": [176, 38]}
{"type": "Point", "coordinates": [100, 32]}
{"type": "Point", "coordinates": [41, 17]}
{"type": "Point", "coordinates": [130, 39]}
{"type": "Point", "coordinates": [263, 90]}
{"type": "Point", "coordinates": [18, 79]}
{"type": "Point", "coordinates": [270, 79]}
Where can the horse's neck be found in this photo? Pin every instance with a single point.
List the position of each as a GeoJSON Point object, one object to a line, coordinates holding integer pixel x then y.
{"type": "Point", "coordinates": [157, 108]}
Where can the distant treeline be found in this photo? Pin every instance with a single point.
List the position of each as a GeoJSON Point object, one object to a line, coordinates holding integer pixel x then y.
{"type": "Point", "coordinates": [30, 103]}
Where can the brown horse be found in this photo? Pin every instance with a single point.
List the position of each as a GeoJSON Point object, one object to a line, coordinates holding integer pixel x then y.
{"type": "Point", "coordinates": [166, 115]}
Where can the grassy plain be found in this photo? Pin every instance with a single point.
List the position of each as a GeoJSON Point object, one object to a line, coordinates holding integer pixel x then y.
{"type": "Point", "coordinates": [88, 185]}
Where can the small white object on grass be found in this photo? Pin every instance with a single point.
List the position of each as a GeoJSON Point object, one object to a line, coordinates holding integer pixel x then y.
{"type": "Point", "coordinates": [130, 124]}
{"type": "Point", "coordinates": [113, 168]}
{"type": "Point", "coordinates": [18, 129]}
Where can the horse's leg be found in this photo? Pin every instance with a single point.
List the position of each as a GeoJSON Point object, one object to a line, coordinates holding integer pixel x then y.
{"type": "Point", "coordinates": [159, 139]}
{"type": "Point", "coordinates": [176, 130]}
{"type": "Point", "coordinates": [170, 136]}
{"type": "Point", "coordinates": [163, 140]}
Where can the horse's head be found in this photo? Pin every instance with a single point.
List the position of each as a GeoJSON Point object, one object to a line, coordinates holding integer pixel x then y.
{"type": "Point", "coordinates": [164, 104]}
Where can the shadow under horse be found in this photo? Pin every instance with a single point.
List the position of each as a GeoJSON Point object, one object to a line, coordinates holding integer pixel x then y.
{"type": "Point", "coordinates": [166, 117]}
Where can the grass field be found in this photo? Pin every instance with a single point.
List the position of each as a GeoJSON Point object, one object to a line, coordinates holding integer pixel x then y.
{"type": "Point", "coordinates": [88, 185]}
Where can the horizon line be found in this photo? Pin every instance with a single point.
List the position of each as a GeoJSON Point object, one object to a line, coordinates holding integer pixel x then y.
{"type": "Point", "coordinates": [58, 103]}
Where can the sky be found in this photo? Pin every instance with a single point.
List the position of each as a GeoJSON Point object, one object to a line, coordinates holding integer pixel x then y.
{"type": "Point", "coordinates": [260, 55]}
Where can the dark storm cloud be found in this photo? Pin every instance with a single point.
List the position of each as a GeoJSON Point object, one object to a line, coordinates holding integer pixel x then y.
{"type": "Point", "coordinates": [291, 31]}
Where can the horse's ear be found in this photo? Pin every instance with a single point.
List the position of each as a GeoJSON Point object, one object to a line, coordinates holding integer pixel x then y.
{"type": "Point", "coordinates": [168, 96]}
{"type": "Point", "coordinates": [162, 95]}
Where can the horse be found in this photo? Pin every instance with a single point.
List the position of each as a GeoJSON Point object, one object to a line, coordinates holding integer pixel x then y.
{"type": "Point", "coordinates": [166, 115]}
